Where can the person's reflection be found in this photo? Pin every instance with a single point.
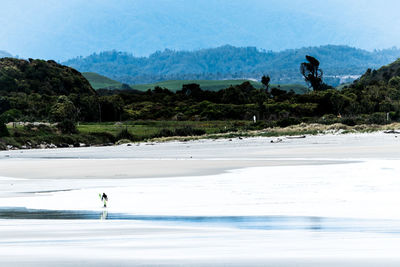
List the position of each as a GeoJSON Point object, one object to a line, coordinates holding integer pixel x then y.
{"type": "Point", "coordinates": [104, 215]}
{"type": "Point", "coordinates": [315, 223]}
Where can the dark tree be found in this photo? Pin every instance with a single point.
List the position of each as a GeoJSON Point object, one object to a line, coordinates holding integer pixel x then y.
{"type": "Point", "coordinates": [192, 90]}
{"type": "Point", "coordinates": [265, 81]}
{"type": "Point", "coordinates": [312, 73]}
{"type": "Point", "coordinates": [3, 129]}
{"type": "Point", "coordinates": [67, 126]}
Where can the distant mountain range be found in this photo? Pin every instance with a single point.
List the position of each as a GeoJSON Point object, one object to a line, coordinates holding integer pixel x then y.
{"type": "Point", "coordinates": [339, 63]}
{"type": "Point", "coordinates": [65, 29]}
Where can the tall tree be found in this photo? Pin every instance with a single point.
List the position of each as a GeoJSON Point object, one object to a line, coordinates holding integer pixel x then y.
{"type": "Point", "coordinates": [265, 81]}
{"type": "Point", "coordinates": [312, 73]}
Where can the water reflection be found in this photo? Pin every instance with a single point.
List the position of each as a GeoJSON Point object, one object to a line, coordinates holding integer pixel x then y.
{"type": "Point", "coordinates": [238, 222]}
{"type": "Point", "coordinates": [104, 215]}
{"type": "Point", "coordinates": [315, 223]}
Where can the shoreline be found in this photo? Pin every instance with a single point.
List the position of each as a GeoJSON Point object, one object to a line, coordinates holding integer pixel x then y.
{"type": "Point", "coordinates": [290, 132]}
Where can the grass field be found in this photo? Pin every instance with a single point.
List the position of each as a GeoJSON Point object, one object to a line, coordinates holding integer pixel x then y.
{"type": "Point", "coordinates": [212, 85]}
{"type": "Point", "coordinates": [146, 129]}
{"type": "Point", "coordinates": [98, 81]}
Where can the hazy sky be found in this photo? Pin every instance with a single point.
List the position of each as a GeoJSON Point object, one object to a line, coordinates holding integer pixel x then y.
{"type": "Point", "coordinates": [61, 29]}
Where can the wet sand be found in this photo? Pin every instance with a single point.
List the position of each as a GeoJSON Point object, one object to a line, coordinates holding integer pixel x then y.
{"type": "Point", "coordinates": [122, 243]}
{"type": "Point", "coordinates": [130, 169]}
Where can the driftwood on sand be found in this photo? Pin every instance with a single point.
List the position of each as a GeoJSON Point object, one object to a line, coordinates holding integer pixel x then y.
{"type": "Point", "coordinates": [296, 137]}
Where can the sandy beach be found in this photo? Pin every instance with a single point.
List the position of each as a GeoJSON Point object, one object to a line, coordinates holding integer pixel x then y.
{"type": "Point", "coordinates": [203, 157]}
{"type": "Point", "coordinates": [324, 200]}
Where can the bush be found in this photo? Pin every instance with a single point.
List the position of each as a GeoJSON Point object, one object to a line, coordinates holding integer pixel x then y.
{"type": "Point", "coordinates": [164, 133]}
{"type": "Point", "coordinates": [288, 122]}
{"type": "Point", "coordinates": [189, 131]}
{"type": "Point", "coordinates": [103, 137]}
{"type": "Point", "coordinates": [11, 115]}
{"type": "Point", "coordinates": [349, 121]}
{"type": "Point", "coordinates": [184, 131]}
{"type": "Point", "coordinates": [3, 130]}
{"type": "Point", "coordinates": [259, 125]}
{"type": "Point", "coordinates": [67, 127]}
{"type": "Point", "coordinates": [377, 118]}
{"type": "Point", "coordinates": [328, 119]}
{"type": "Point", "coordinates": [394, 115]}
{"type": "Point", "coordinates": [125, 134]}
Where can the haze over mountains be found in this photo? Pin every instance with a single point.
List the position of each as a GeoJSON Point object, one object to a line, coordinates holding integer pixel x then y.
{"type": "Point", "coordinates": [4, 54]}
{"type": "Point", "coordinates": [340, 64]}
{"type": "Point", "coordinates": [192, 36]}
{"type": "Point", "coordinates": [59, 30]}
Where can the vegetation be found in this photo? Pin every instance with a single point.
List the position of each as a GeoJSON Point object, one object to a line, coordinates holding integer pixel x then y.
{"type": "Point", "coordinates": [211, 85]}
{"type": "Point", "coordinates": [75, 114]}
{"type": "Point", "coordinates": [3, 130]}
{"type": "Point", "coordinates": [98, 81]}
{"type": "Point", "coordinates": [228, 62]}
{"type": "Point", "coordinates": [265, 80]}
{"type": "Point", "coordinates": [38, 90]}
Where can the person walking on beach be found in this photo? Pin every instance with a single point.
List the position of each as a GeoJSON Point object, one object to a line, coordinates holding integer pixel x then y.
{"type": "Point", "coordinates": [104, 198]}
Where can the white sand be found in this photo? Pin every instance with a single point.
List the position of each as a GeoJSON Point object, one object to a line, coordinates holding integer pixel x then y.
{"type": "Point", "coordinates": [345, 176]}
{"type": "Point", "coordinates": [194, 158]}
{"type": "Point", "coordinates": [358, 190]}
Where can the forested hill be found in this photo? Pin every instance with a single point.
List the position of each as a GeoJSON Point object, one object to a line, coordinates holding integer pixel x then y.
{"type": "Point", "coordinates": [42, 77]}
{"type": "Point", "coordinates": [387, 75]}
{"type": "Point", "coordinates": [32, 90]}
{"type": "Point", "coordinates": [228, 62]}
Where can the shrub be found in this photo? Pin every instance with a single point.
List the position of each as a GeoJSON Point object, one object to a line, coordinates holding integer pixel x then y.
{"type": "Point", "coordinates": [184, 131]}
{"type": "Point", "coordinates": [349, 121]}
{"type": "Point", "coordinates": [377, 118]}
{"type": "Point", "coordinates": [189, 131]}
{"type": "Point", "coordinates": [288, 122]}
{"type": "Point", "coordinates": [125, 134]}
{"type": "Point", "coordinates": [11, 115]}
{"type": "Point", "coordinates": [165, 132]}
{"type": "Point", "coordinates": [103, 137]}
{"type": "Point", "coordinates": [394, 115]}
{"type": "Point", "coordinates": [328, 119]}
{"type": "Point", "coordinates": [67, 126]}
{"type": "Point", "coordinates": [3, 130]}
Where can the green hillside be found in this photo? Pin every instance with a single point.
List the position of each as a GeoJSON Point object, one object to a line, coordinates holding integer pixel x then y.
{"type": "Point", "coordinates": [387, 74]}
{"type": "Point", "coordinates": [212, 85]}
{"type": "Point", "coordinates": [98, 81]}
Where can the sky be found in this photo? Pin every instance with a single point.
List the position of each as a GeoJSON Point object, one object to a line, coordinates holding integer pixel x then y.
{"type": "Point", "coordinates": [62, 29]}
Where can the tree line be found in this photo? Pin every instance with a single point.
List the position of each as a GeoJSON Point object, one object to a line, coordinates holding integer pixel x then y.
{"type": "Point", "coordinates": [45, 91]}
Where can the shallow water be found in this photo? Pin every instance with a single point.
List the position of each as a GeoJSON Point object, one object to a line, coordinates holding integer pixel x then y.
{"type": "Point", "coordinates": [266, 223]}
